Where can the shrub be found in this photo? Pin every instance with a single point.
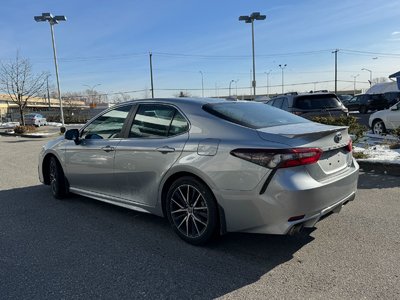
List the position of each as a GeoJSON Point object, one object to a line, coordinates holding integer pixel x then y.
{"type": "Point", "coordinates": [355, 128]}
{"type": "Point", "coordinates": [359, 155]}
{"type": "Point", "coordinates": [24, 129]}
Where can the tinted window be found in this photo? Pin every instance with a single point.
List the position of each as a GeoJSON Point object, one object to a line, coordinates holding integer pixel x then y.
{"type": "Point", "coordinates": [253, 115]}
{"type": "Point", "coordinates": [155, 120]}
{"type": "Point", "coordinates": [285, 104]}
{"type": "Point", "coordinates": [108, 125]}
{"type": "Point", "coordinates": [278, 102]}
{"type": "Point", "coordinates": [316, 102]}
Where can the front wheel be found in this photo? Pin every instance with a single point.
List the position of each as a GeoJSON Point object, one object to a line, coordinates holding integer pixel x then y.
{"type": "Point", "coordinates": [192, 211]}
{"type": "Point", "coordinates": [57, 179]}
{"type": "Point", "coordinates": [378, 127]}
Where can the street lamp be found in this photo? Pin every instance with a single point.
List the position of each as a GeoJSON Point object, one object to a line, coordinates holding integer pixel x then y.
{"type": "Point", "coordinates": [282, 67]}
{"type": "Point", "coordinates": [230, 84]}
{"type": "Point", "coordinates": [370, 75]}
{"type": "Point", "coordinates": [53, 21]}
{"type": "Point", "coordinates": [355, 76]}
{"type": "Point", "coordinates": [202, 84]}
{"type": "Point", "coordinates": [250, 19]}
{"type": "Point", "coordinates": [267, 73]}
{"type": "Point", "coordinates": [236, 81]}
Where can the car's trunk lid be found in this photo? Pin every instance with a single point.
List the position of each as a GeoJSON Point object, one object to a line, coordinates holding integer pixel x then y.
{"type": "Point", "coordinates": [332, 140]}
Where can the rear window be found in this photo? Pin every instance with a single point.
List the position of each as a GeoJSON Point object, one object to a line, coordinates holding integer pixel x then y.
{"type": "Point", "coordinates": [316, 102]}
{"type": "Point", "coordinates": [252, 114]}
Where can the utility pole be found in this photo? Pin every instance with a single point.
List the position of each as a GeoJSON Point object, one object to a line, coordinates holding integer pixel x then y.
{"type": "Point", "coordinates": [336, 51]}
{"type": "Point", "coordinates": [151, 75]}
{"type": "Point", "coordinates": [48, 92]}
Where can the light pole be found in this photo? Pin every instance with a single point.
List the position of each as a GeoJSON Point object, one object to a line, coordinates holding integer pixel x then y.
{"type": "Point", "coordinates": [53, 21]}
{"type": "Point", "coordinates": [250, 19]}
{"type": "Point", "coordinates": [355, 76]}
{"type": "Point", "coordinates": [282, 67]}
{"type": "Point", "coordinates": [230, 84]}
{"type": "Point", "coordinates": [336, 52]}
{"type": "Point", "coordinates": [370, 75]}
{"type": "Point", "coordinates": [267, 73]}
{"type": "Point", "coordinates": [202, 84]}
{"type": "Point", "coordinates": [91, 89]}
{"type": "Point", "coordinates": [236, 81]}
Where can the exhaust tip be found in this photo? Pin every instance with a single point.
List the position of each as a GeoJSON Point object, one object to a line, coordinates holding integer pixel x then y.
{"type": "Point", "coordinates": [296, 229]}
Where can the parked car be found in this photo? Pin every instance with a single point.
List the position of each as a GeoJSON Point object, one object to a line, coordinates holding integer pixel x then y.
{"type": "Point", "coordinates": [344, 98]}
{"type": "Point", "coordinates": [209, 165]}
{"type": "Point", "coordinates": [385, 120]}
{"type": "Point", "coordinates": [365, 102]}
{"type": "Point", "coordinates": [392, 98]}
{"type": "Point", "coordinates": [310, 105]}
{"type": "Point", "coordinates": [35, 119]}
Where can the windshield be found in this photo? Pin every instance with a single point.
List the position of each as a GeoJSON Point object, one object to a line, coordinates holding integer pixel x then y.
{"type": "Point", "coordinates": [252, 115]}
{"type": "Point", "coordinates": [316, 102]}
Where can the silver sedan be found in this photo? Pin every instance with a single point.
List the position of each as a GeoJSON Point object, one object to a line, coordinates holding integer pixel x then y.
{"type": "Point", "coordinates": [209, 165]}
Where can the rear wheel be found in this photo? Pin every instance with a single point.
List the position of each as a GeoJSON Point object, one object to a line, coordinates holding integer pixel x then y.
{"type": "Point", "coordinates": [378, 127]}
{"type": "Point", "coordinates": [57, 179]}
{"type": "Point", "coordinates": [192, 210]}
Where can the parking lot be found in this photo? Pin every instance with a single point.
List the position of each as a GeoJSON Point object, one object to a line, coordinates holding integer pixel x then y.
{"type": "Point", "coordinates": [82, 248]}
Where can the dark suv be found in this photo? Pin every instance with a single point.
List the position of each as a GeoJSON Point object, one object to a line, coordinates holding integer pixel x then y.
{"type": "Point", "coordinates": [365, 102]}
{"type": "Point", "coordinates": [310, 105]}
{"type": "Point", "coordinates": [392, 98]}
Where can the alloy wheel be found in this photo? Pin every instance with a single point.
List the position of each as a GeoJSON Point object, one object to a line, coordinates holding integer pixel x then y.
{"type": "Point", "coordinates": [189, 211]}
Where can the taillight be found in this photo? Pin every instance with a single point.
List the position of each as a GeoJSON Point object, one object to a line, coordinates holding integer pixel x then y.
{"type": "Point", "coordinates": [349, 146]}
{"type": "Point", "coordinates": [279, 158]}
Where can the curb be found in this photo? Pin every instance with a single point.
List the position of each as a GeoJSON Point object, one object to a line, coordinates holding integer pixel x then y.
{"type": "Point", "coordinates": [380, 168]}
{"type": "Point", "coordinates": [34, 136]}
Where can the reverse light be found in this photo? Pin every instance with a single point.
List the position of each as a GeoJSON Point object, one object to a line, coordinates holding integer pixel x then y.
{"type": "Point", "coordinates": [279, 158]}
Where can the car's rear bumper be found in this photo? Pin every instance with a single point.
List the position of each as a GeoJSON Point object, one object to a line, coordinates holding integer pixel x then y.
{"type": "Point", "coordinates": [291, 198]}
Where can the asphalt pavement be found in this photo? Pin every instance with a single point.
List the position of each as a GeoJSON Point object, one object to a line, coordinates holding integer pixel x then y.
{"type": "Point", "coordinates": [80, 248]}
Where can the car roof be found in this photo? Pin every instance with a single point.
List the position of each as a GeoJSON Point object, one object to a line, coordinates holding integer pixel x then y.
{"type": "Point", "coordinates": [183, 100]}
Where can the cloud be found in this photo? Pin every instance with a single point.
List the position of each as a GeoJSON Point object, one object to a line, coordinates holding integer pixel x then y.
{"type": "Point", "coordinates": [395, 32]}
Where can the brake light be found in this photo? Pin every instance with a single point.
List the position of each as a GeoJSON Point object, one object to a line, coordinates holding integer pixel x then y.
{"type": "Point", "coordinates": [279, 158]}
{"type": "Point", "coordinates": [349, 146]}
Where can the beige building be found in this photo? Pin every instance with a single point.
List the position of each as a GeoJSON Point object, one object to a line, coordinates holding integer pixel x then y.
{"type": "Point", "coordinates": [9, 109]}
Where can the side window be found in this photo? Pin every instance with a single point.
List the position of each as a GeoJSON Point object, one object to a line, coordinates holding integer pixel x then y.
{"type": "Point", "coordinates": [278, 102]}
{"type": "Point", "coordinates": [179, 125]}
{"type": "Point", "coordinates": [157, 120]}
{"type": "Point", "coordinates": [285, 104]}
{"type": "Point", "coordinates": [107, 126]}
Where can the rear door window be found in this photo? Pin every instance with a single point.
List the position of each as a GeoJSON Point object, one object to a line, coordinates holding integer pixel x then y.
{"type": "Point", "coordinates": [156, 121]}
{"type": "Point", "coordinates": [311, 102]}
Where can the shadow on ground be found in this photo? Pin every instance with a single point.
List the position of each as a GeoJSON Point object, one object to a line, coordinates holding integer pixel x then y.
{"type": "Point", "coordinates": [82, 248]}
{"type": "Point", "coordinates": [370, 180]}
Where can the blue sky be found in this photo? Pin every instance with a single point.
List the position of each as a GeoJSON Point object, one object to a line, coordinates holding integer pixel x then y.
{"type": "Point", "coordinates": [107, 43]}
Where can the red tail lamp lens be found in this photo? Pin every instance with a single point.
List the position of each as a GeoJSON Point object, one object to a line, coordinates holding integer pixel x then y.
{"type": "Point", "coordinates": [279, 158]}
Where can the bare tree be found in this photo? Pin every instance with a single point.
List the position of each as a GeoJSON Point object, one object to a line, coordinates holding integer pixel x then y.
{"type": "Point", "coordinates": [20, 83]}
{"type": "Point", "coordinates": [183, 94]}
{"type": "Point", "coordinates": [380, 80]}
{"type": "Point", "coordinates": [121, 97]}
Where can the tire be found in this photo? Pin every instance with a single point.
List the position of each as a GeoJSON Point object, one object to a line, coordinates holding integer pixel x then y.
{"type": "Point", "coordinates": [363, 109]}
{"type": "Point", "coordinates": [57, 179]}
{"type": "Point", "coordinates": [192, 210]}
{"type": "Point", "coordinates": [378, 127]}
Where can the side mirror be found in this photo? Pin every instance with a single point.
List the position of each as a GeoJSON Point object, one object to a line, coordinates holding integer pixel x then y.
{"type": "Point", "coordinates": [73, 135]}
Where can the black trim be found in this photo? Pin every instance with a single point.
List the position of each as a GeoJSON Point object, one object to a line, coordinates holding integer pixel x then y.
{"type": "Point", "coordinates": [266, 183]}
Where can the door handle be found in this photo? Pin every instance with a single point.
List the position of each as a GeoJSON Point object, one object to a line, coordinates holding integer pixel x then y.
{"type": "Point", "coordinates": [165, 149]}
{"type": "Point", "coordinates": [108, 148]}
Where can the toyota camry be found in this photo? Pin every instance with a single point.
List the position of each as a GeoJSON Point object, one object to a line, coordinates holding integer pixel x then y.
{"type": "Point", "coordinates": [210, 166]}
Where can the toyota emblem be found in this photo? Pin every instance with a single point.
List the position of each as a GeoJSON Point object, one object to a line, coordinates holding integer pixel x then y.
{"type": "Point", "coordinates": [338, 137]}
